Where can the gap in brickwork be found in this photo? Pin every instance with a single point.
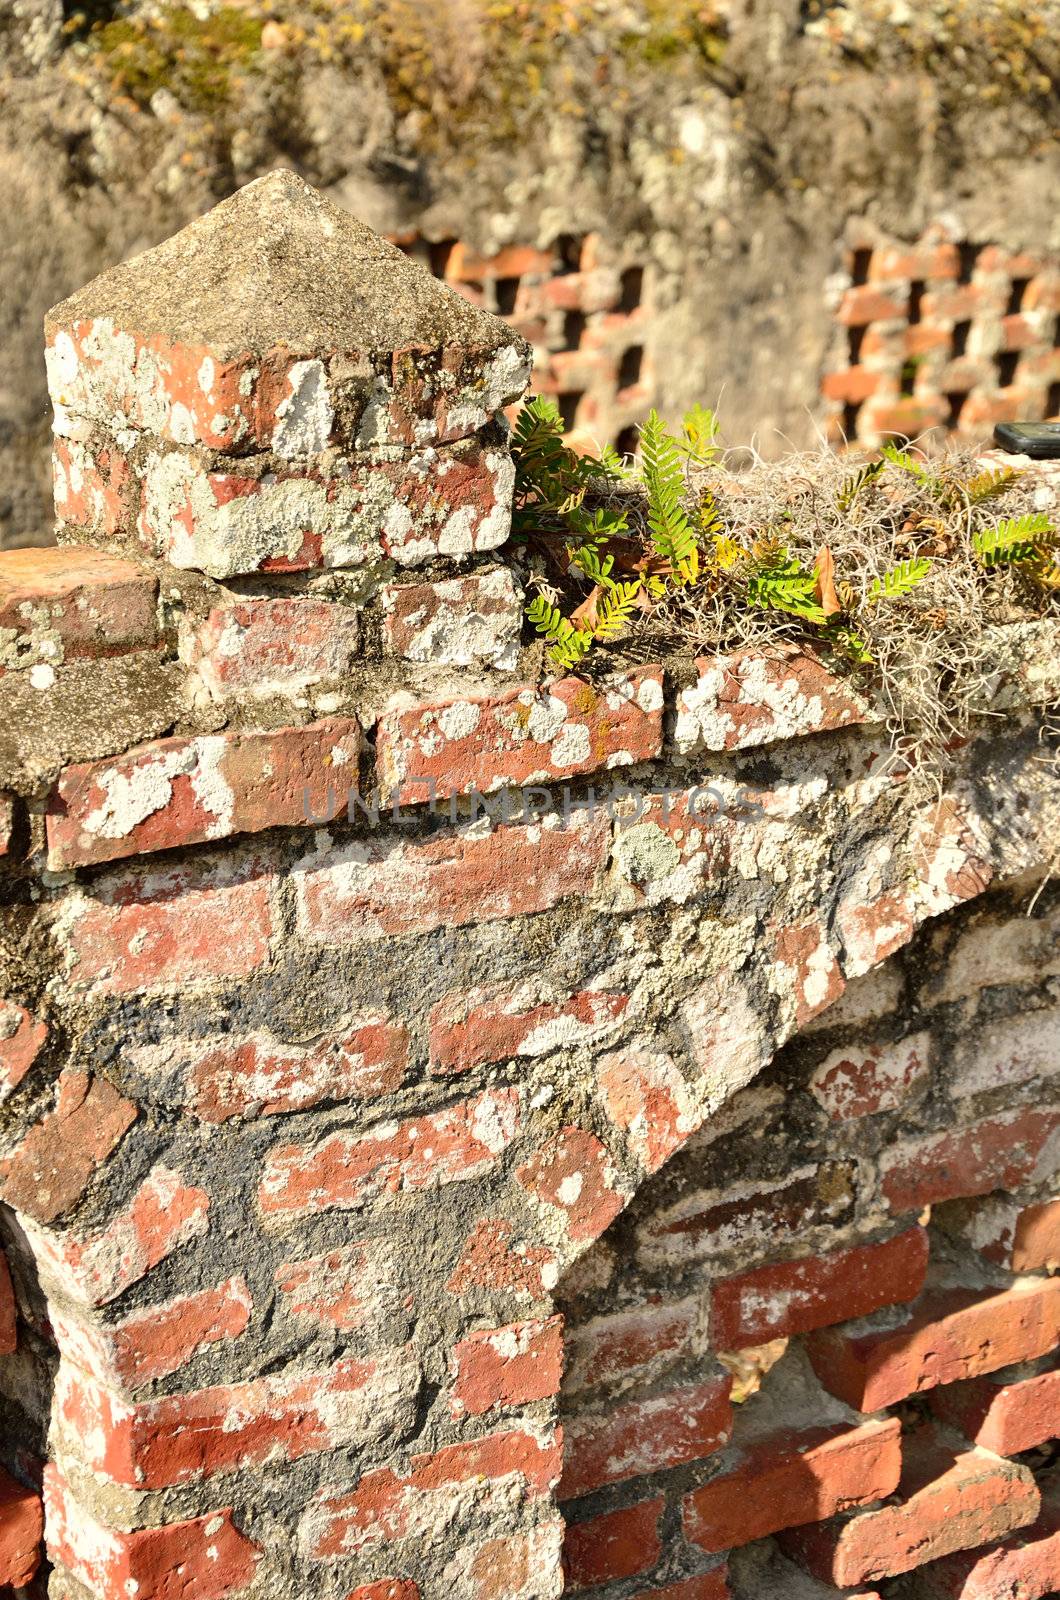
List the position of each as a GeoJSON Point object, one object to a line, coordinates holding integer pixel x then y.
{"type": "Point", "coordinates": [941, 339]}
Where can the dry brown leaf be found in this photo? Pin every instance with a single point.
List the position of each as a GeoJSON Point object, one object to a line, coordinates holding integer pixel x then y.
{"type": "Point", "coordinates": [824, 567]}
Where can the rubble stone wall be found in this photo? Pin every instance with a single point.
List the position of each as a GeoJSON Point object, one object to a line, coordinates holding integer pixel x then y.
{"type": "Point", "coordinates": [398, 1119]}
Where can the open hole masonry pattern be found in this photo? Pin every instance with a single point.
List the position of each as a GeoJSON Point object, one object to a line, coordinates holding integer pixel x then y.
{"type": "Point", "coordinates": [940, 338]}
{"type": "Point", "coordinates": [402, 1207]}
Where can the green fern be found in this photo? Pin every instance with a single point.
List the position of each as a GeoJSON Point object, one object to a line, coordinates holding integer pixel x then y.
{"type": "Point", "coordinates": [900, 580]}
{"type": "Point", "coordinates": [673, 537]}
{"type": "Point", "coordinates": [699, 436]}
{"type": "Point", "coordinates": [616, 610]}
{"type": "Point", "coordinates": [853, 485]}
{"type": "Point", "coordinates": [570, 645]}
{"type": "Point", "coordinates": [592, 559]}
{"type": "Point", "coordinates": [1014, 540]}
{"type": "Point", "coordinates": [784, 585]}
{"type": "Point", "coordinates": [988, 484]}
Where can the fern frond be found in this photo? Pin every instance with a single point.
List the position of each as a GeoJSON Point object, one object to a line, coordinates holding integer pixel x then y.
{"type": "Point", "coordinates": [592, 559]}
{"type": "Point", "coordinates": [899, 580]}
{"type": "Point", "coordinates": [904, 460]}
{"type": "Point", "coordinates": [786, 586]}
{"type": "Point", "coordinates": [569, 644]}
{"type": "Point", "coordinates": [673, 537]}
{"type": "Point", "coordinates": [853, 485]}
{"type": "Point", "coordinates": [727, 552]}
{"type": "Point", "coordinates": [614, 465]}
{"type": "Point", "coordinates": [988, 484]}
{"type": "Point", "coordinates": [1014, 540]}
{"type": "Point", "coordinates": [709, 515]}
{"type": "Point", "coordinates": [616, 609]}
{"type": "Point", "coordinates": [699, 435]}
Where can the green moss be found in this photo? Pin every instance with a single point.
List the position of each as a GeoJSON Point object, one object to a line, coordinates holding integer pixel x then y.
{"type": "Point", "coordinates": [196, 59]}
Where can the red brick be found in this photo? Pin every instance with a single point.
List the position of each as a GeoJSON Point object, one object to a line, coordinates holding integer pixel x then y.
{"type": "Point", "coordinates": [507, 1366]}
{"type": "Point", "coordinates": [260, 1077]}
{"type": "Point", "coordinates": [862, 1081]}
{"type": "Point", "coordinates": [646, 1096]}
{"type": "Point", "coordinates": [707, 1586]}
{"type": "Point", "coordinates": [21, 1532]}
{"type": "Point", "coordinates": [619, 1544]}
{"type": "Point", "coordinates": [1036, 1246]}
{"type": "Point", "coordinates": [262, 647]}
{"type": "Point", "coordinates": [873, 930]}
{"type": "Point", "coordinates": [473, 1029]}
{"type": "Point", "coordinates": [950, 1500]}
{"type": "Point", "coordinates": [175, 1439]}
{"type": "Point", "coordinates": [1000, 1152]}
{"type": "Point", "coordinates": [347, 1288]}
{"type": "Point", "coordinates": [949, 1335]}
{"type": "Point", "coordinates": [527, 735]}
{"type": "Point", "coordinates": [794, 1478]}
{"type": "Point", "coordinates": [8, 1311]}
{"type": "Point", "coordinates": [748, 698]}
{"type": "Point", "coordinates": [345, 1171]}
{"type": "Point", "coordinates": [21, 1041]}
{"type": "Point", "coordinates": [922, 339]}
{"type": "Point", "coordinates": [163, 1215]}
{"type": "Point", "coordinates": [373, 890]}
{"type": "Point", "coordinates": [204, 1559]}
{"type": "Point", "coordinates": [572, 1172]}
{"type": "Point", "coordinates": [516, 1566]}
{"type": "Point", "coordinates": [152, 1344]}
{"type": "Point", "coordinates": [637, 1437]}
{"type": "Point", "coordinates": [957, 302]}
{"type": "Point", "coordinates": [852, 385]}
{"type": "Point", "coordinates": [182, 791]}
{"type": "Point", "coordinates": [864, 303]}
{"type": "Point", "coordinates": [492, 1261]}
{"type": "Point", "coordinates": [893, 263]}
{"type": "Point", "coordinates": [66, 603]}
{"type": "Point", "coordinates": [805, 972]}
{"type": "Point", "coordinates": [1007, 1416]}
{"type": "Point", "coordinates": [386, 1505]}
{"type": "Point", "coordinates": [55, 1163]}
{"type": "Point", "coordinates": [387, 1589]}
{"type": "Point", "coordinates": [792, 1297]}
{"type": "Point", "coordinates": [1025, 1567]}
{"type": "Point", "coordinates": [458, 622]}
{"type": "Point", "coordinates": [1017, 333]}
{"type": "Point", "coordinates": [465, 265]}
{"type": "Point", "coordinates": [186, 924]}
{"type": "Point", "coordinates": [906, 417]}
{"type": "Point", "coordinates": [93, 485]}
{"type": "Point", "coordinates": [626, 1344]}
{"type": "Point", "coordinates": [7, 822]}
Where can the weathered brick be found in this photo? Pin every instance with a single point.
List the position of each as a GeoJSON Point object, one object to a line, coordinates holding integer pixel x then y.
{"type": "Point", "coordinates": [387, 1589]}
{"type": "Point", "coordinates": [266, 647]}
{"type": "Point", "coordinates": [208, 370]}
{"type": "Point", "coordinates": [155, 1444]}
{"type": "Point", "coordinates": [347, 1171]}
{"type": "Point", "coordinates": [618, 1544]}
{"type": "Point", "coordinates": [950, 1499]}
{"type": "Point", "coordinates": [170, 927]}
{"type": "Point", "coordinates": [1001, 1152]}
{"type": "Point", "coordinates": [805, 972]}
{"type": "Point", "coordinates": [873, 930]}
{"type": "Point", "coordinates": [347, 1288]}
{"type": "Point", "coordinates": [711, 1585]}
{"type": "Point", "coordinates": [93, 484]}
{"type": "Point", "coordinates": [852, 385]}
{"type": "Point", "coordinates": [865, 303]}
{"type": "Point", "coordinates": [481, 1026]}
{"type": "Point", "coordinates": [22, 1039]}
{"type": "Point", "coordinates": [50, 1170]}
{"type": "Point", "coordinates": [153, 1344]}
{"type": "Point", "coordinates": [388, 1505]}
{"type": "Point", "coordinates": [1020, 1238]}
{"type": "Point", "coordinates": [948, 1335]}
{"type": "Point", "coordinates": [720, 1222]}
{"type": "Point", "coordinates": [926, 260]}
{"type": "Point", "coordinates": [862, 1081]}
{"type": "Point", "coordinates": [572, 1174]}
{"type": "Point", "coordinates": [646, 1096]}
{"type": "Point", "coordinates": [1020, 1049]}
{"type": "Point", "coordinates": [8, 1311]}
{"type": "Point", "coordinates": [636, 1437]}
{"type": "Point", "coordinates": [748, 699]}
{"type": "Point", "coordinates": [7, 822]}
{"type": "Point", "coordinates": [493, 1261]}
{"type": "Point", "coordinates": [258, 1076]}
{"type": "Point", "coordinates": [990, 952]}
{"type": "Point", "coordinates": [796, 1296]}
{"type": "Point", "coordinates": [21, 1532]}
{"type": "Point", "coordinates": [225, 517]}
{"type": "Point", "coordinates": [456, 622]}
{"type": "Point", "coordinates": [515, 1566]}
{"type": "Point", "coordinates": [63, 604]}
{"type": "Point", "coordinates": [1025, 1567]}
{"type": "Point", "coordinates": [1006, 1413]}
{"type": "Point", "coordinates": [509, 1366]}
{"type": "Point", "coordinates": [527, 735]}
{"type": "Point", "coordinates": [628, 1344]}
{"type": "Point", "coordinates": [204, 1559]}
{"type": "Point", "coordinates": [466, 265]}
{"type": "Point", "coordinates": [164, 1214]}
{"type": "Point", "coordinates": [184, 791]}
{"type": "Point", "coordinates": [374, 889]}
{"type": "Point", "coordinates": [792, 1478]}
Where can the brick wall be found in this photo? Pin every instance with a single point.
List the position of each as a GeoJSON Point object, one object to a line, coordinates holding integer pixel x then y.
{"type": "Point", "coordinates": [357, 981]}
